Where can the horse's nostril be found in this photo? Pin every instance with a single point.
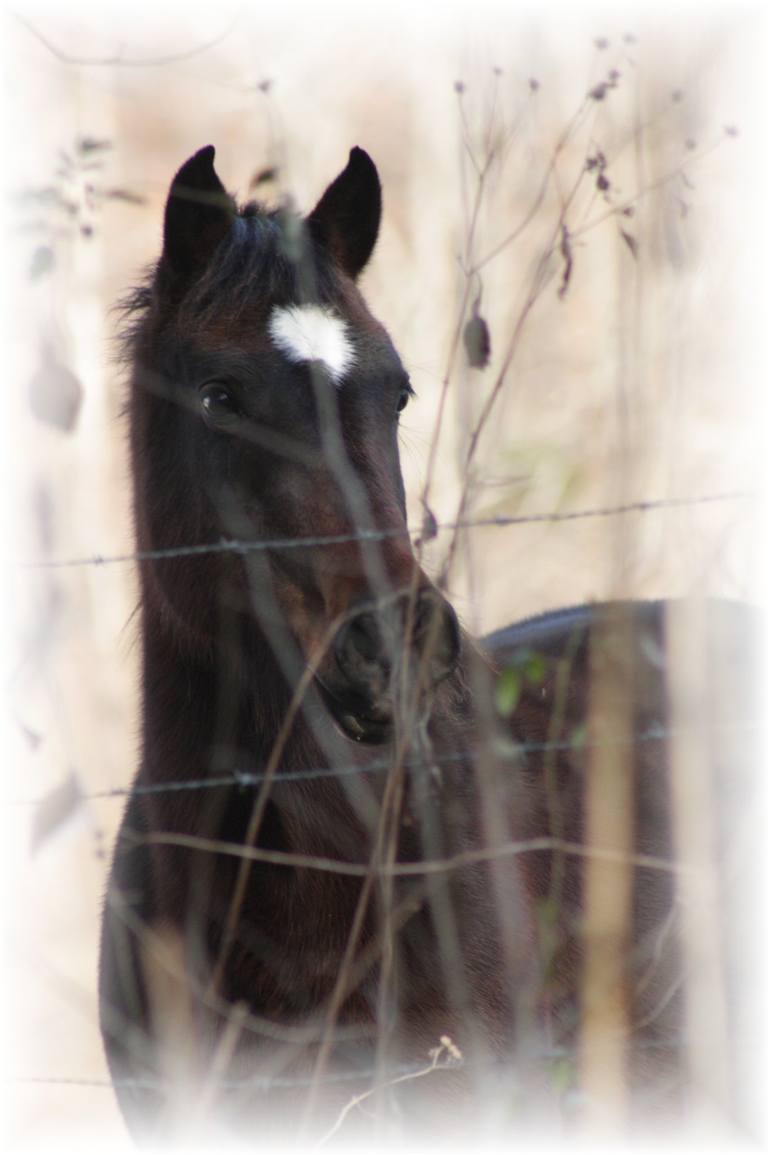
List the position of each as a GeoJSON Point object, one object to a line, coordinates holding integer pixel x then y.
{"type": "Point", "coordinates": [364, 635]}
{"type": "Point", "coordinates": [368, 645]}
{"type": "Point", "coordinates": [361, 653]}
{"type": "Point", "coordinates": [436, 634]}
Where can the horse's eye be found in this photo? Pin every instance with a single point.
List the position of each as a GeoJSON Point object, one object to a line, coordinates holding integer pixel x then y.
{"type": "Point", "coordinates": [218, 405]}
{"type": "Point", "coordinates": [403, 400]}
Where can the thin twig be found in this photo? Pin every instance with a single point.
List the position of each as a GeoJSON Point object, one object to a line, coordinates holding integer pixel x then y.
{"type": "Point", "coordinates": [434, 1065]}
{"type": "Point", "coordinates": [118, 58]}
{"type": "Point", "coordinates": [401, 869]}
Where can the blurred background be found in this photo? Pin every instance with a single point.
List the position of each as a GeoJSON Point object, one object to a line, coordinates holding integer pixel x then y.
{"type": "Point", "coordinates": [590, 187]}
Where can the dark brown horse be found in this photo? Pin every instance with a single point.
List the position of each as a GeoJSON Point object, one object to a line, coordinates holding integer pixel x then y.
{"type": "Point", "coordinates": [319, 889]}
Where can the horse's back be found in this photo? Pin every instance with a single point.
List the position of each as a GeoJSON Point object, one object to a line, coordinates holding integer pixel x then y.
{"type": "Point", "coordinates": [733, 624]}
{"type": "Point", "coordinates": [714, 648]}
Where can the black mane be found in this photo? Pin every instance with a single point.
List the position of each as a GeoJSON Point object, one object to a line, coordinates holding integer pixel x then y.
{"type": "Point", "coordinates": [267, 254]}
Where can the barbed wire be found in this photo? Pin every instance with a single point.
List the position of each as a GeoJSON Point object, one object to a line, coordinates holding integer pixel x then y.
{"type": "Point", "coordinates": [256, 1083]}
{"type": "Point", "coordinates": [232, 545]}
{"type": "Point", "coordinates": [267, 1083]}
{"type": "Point", "coordinates": [247, 778]}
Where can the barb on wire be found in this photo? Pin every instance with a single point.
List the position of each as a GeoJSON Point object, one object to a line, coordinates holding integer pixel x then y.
{"type": "Point", "coordinates": [231, 545]}
{"type": "Point", "coordinates": [246, 778]}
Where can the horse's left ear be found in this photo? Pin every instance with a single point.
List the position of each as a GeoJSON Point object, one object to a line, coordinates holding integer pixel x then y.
{"type": "Point", "coordinates": [346, 220]}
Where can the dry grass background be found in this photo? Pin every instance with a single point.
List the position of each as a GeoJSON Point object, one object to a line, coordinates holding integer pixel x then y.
{"type": "Point", "coordinates": [638, 385]}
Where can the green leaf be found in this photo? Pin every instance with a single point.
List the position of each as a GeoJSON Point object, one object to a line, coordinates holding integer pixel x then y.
{"type": "Point", "coordinates": [508, 691]}
{"type": "Point", "coordinates": [548, 911]}
{"type": "Point", "coordinates": [535, 668]}
{"type": "Point", "coordinates": [562, 1075]}
{"type": "Point", "coordinates": [579, 736]}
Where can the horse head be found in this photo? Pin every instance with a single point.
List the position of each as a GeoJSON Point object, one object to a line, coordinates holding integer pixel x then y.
{"type": "Point", "coordinates": [276, 396]}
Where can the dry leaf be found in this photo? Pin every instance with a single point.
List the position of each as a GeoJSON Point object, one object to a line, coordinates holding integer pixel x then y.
{"type": "Point", "coordinates": [54, 809]}
{"type": "Point", "coordinates": [565, 248]}
{"type": "Point", "coordinates": [429, 528]}
{"type": "Point", "coordinates": [478, 344]}
{"type": "Point", "coordinates": [631, 242]}
{"type": "Point", "coordinates": [262, 176]}
{"type": "Point", "coordinates": [55, 394]}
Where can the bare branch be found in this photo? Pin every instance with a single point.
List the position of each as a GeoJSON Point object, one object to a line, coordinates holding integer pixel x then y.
{"type": "Point", "coordinates": [119, 58]}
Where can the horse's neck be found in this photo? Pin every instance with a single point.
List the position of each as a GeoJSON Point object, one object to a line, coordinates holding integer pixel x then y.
{"type": "Point", "coordinates": [207, 708]}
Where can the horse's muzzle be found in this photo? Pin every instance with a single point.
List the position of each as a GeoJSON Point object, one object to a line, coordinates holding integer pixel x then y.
{"type": "Point", "coordinates": [395, 650]}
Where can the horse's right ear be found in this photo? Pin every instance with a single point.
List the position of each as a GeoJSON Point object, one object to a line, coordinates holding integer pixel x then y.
{"type": "Point", "coordinates": [346, 220]}
{"type": "Point", "coordinates": [199, 213]}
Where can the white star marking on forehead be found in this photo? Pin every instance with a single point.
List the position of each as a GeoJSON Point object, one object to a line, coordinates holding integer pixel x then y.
{"type": "Point", "coordinates": [312, 333]}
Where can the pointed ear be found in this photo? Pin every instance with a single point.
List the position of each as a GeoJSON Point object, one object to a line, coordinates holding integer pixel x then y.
{"type": "Point", "coordinates": [346, 220]}
{"type": "Point", "coordinates": [199, 212]}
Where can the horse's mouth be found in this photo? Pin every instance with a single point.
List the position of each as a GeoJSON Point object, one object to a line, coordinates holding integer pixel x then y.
{"type": "Point", "coordinates": [358, 720]}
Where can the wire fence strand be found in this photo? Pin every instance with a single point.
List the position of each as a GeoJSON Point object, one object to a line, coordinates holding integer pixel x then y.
{"type": "Point", "coordinates": [248, 778]}
{"type": "Point", "coordinates": [267, 1083]}
{"type": "Point", "coordinates": [256, 1083]}
{"type": "Point", "coordinates": [237, 546]}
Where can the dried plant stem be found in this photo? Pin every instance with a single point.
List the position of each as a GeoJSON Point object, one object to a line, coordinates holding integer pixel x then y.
{"type": "Point", "coordinates": [260, 803]}
{"type": "Point", "coordinates": [382, 868]}
{"type": "Point", "coordinates": [609, 854]}
{"type": "Point", "coordinates": [539, 280]}
{"type": "Point", "coordinates": [386, 989]}
{"type": "Point", "coordinates": [529, 216]}
{"type": "Point", "coordinates": [171, 1014]}
{"type": "Point", "coordinates": [554, 801]}
{"type": "Point", "coordinates": [644, 191]}
{"type": "Point", "coordinates": [538, 283]}
{"type": "Point", "coordinates": [471, 267]}
{"type": "Point", "coordinates": [454, 344]}
{"type": "Point", "coordinates": [706, 1050]}
{"type": "Point", "coordinates": [373, 871]}
{"type": "Point", "coordinates": [434, 1065]}
{"type": "Point", "coordinates": [216, 1074]}
{"type": "Point", "coordinates": [607, 883]}
{"type": "Point", "coordinates": [118, 59]}
{"type": "Point", "coordinates": [610, 793]}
